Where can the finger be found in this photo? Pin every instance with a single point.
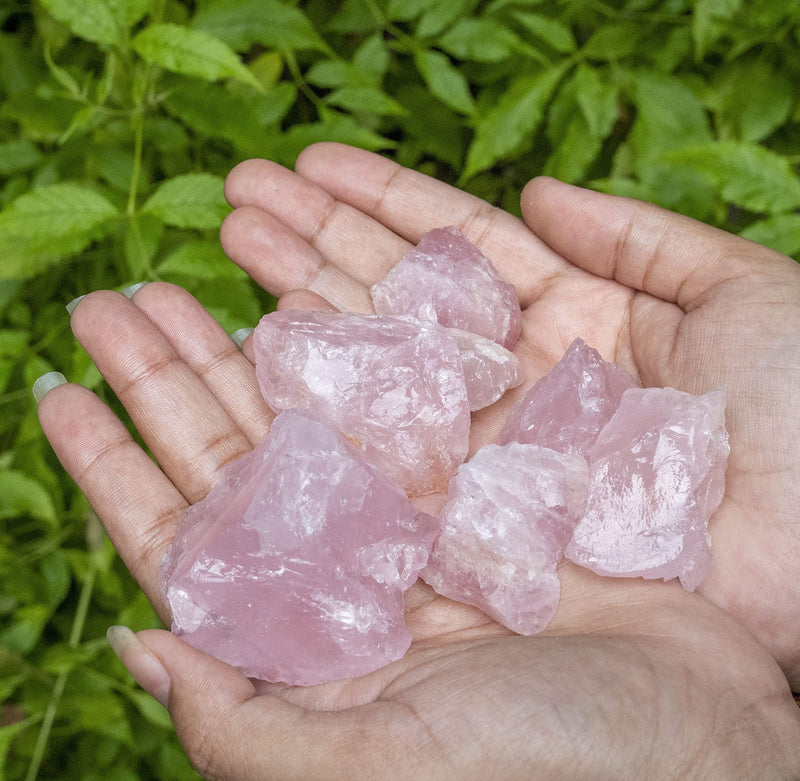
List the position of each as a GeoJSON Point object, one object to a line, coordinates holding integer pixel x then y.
{"type": "Point", "coordinates": [228, 732]}
{"type": "Point", "coordinates": [213, 357]}
{"type": "Point", "coordinates": [138, 505]}
{"type": "Point", "coordinates": [187, 429]}
{"type": "Point", "coordinates": [362, 247]}
{"type": "Point", "coordinates": [642, 246]}
{"type": "Point", "coordinates": [305, 300]}
{"type": "Point", "coordinates": [280, 260]}
{"type": "Point", "coordinates": [410, 204]}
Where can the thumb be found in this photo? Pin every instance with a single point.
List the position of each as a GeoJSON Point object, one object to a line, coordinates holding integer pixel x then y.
{"type": "Point", "coordinates": [225, 728]}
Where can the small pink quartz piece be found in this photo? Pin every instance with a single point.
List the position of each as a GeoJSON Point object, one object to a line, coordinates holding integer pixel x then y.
{"type": "Point", "coordinates": [657, 473]}
{"type": "Point", "coordinates": [293, 568]}
{"type": "Point", "coordinates": [447, 279]}
{"type": "Point", "coordinates": [489, 369]}
{"type": "Point", "coordinates": [509, 514]}
{"type": "Point", "coordinates": [393, 386]}
{"type": "Point", "coordinates": [567, 408]}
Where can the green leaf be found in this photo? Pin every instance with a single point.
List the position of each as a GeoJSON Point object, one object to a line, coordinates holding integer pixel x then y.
{"type": "Point", "coordinates": [200, 260]}
{"type": "Point", "coordinates": [26, 628]}
{"type": "Point", "coordinates": [444, 80]}
{"type": "Point", "coordinates": [372, 57]}
{"type": "Point", "coordinates": [50, 223]}
{"type": "Point", "coordinates": [481, 40]}
{"type": "Point", "coordinates": [21, 495]}
{"type": "Point", "coordinates": [215, 111]}
{"type": "Point", "coordinates": [93, 20]}
{"type": "Point", "coordinates": [439, 16]}
{"type": "Point", "coordinates": [243, 23]}
{"type": "Point", "coordinates": [580, 118]}
{"type": "Point", "coordinates": [192, 53]}
{"type": "Point", "coordinates": [152, 712]}
{"type": "Point", "coordinates": [18, 155]}
{"type": "Point", "coordinates": [554, 33]}
{"type": "Point", "coordinates": [781, 232]}
{"type": "Point", "coordinates": [707, 22]}
{"type": "Point", "coordinates": [512, 121]}
{"type": "Point", "coordinates": [748, 175]}
{"type": "Point", "coordinates": [336, 127]}
{"type": "Point", "coordinates": [370, 100]}
{"type": "Point", "coordinates": [750, 98]}
{"type": "Point", "coordinates": [50, 211]}
{"type": "Point", "coordinates": [189, 201]}
{"type": "Point", "coordinates": [669, 116]}
{"type": "Point", "coordinates": [406, 10]}
{"type": "Point", "coordinates": [613, 42]}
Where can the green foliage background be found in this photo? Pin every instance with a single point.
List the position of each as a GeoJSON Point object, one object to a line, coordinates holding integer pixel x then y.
{"type": "Point", "coordinates": [118, 122]}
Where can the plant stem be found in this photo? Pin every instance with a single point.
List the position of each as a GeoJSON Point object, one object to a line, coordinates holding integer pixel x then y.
{"type": "Point", "coordinates": [78, 624]}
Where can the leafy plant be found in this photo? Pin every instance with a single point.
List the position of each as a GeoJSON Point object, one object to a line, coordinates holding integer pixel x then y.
{"type": "Point", "coordinates": [118, 122]}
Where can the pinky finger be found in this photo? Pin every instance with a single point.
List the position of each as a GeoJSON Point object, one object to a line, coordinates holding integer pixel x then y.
{"type": "Point", "coordinates": [138, 505]}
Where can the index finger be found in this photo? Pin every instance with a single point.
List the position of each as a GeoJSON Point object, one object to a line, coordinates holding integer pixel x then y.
{"type": "Point", "coordinates": [139, 506]}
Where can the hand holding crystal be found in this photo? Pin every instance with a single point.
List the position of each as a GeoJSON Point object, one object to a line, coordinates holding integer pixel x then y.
{"type": "Point", "coordinates": [626, 662]}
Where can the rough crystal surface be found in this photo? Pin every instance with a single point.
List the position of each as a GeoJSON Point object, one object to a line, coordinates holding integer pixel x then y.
{"type": "Point", "coordinates": [568, 407]}
{"type": "Point", "coordinates": [509, 514]}
{"type": "Point", "coordinates": [447, 279]}
{"type": "Point", "coordinates": [294, 566]}
{"type": "Point", "coordinates": [657, 473]}
{"type": "Point", "coordinates": [394, 386]}
{"type": "Point", "coordinates": [489, 368]}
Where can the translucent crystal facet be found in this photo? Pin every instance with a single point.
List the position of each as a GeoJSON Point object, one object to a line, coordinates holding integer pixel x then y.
{"type": "Point", "coordinates": [489, 369]}
{"type": "Point", "coordinates": [657, 473]}
{"type": "Point", "coordinates": [566, 409]}
{"type": "Point", "coordinates": [294, 567]}
{"type": "Point", "coordinates": [447, 279]}
{"type": "Point", "coordinates": [509, 514]}
{"type": "Point", "coordinates": [394, 386]}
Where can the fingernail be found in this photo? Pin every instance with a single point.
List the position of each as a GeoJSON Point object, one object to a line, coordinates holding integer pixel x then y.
{"type": "Point", "coordinates": [240, 335]}
{"type": "Point", "coordinates": [140, 662]}
{"type": "Point", "coordinates": [72, 304]}
{"type": "Point", "coordinates": [46, 383]}
{"type": "Point", "coordinates": [129, 291]}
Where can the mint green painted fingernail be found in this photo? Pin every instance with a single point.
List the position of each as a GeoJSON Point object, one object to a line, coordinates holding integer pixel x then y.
{"type": "Point", "coordinates": [240, 335]}
{"type": "Point", "coordinates": [129, 291]}
{"type": "Point", "coordinates": [46, 383]}
{"type": "Point", "coordinates": [72, 304]}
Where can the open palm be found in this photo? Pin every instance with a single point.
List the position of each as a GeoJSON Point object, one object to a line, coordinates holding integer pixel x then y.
{"type": "Point", "coordinates": [675, 302]}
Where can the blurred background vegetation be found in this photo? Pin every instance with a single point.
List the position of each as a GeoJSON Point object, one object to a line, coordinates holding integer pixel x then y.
{"type": "Point", "coordinates": [118, 122]}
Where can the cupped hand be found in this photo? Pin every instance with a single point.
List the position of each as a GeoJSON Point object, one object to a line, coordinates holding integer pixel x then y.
{"type": "Point", "coordinates": [676, 302]}
{"type": "Point", "coordinates": [628, 665]}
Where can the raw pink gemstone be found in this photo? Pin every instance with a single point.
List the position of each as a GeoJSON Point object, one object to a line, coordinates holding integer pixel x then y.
{"type": "Point", "coordinates": [489, 369]}
{"type": "Point", "coordinates": [293, 568]}
{"type": "Point", "coordinates": [447, 279]}
{"type": "Point", "coordinates": [657, 473]}
{"type": "Point", "coordinates": [566, 409]}
{"type": "Point", "coordinates": [509, 514]}
{"type": "Point", "coordinates": [393, 386]}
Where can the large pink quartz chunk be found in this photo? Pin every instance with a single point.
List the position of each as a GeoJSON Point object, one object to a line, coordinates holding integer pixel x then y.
{"type": "Point", "coordinates": [293, 567]}
{"type": "Point", "coordinates": [447, 279]}
{"type": "Point", "coordinates": [393, 386]}
{"type": "Point", "coordinates": [509, 514]}
{"type": "Point", "coordinates": [568, 407]}
{"type": "Point", "coordinates": [489, 369]}
{"type": "Point", "coordinates": [657, 473]}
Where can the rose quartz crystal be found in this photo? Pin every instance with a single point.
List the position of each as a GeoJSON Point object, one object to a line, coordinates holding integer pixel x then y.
{"type": "Point", "coordinates": [489, 369]}
{"type": "Point", "coordinates": [509, 514]}
{"type": "Point", "coordinates": [293, 567]}
{"type": "Point", "coordinates": [566, 409]}
{"type": "Point", "coordinates": [657, 473]}
{"type": "Point", "coordinates": [393, 386]}
{"type": "Point", "coordinates": [447, 279]}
